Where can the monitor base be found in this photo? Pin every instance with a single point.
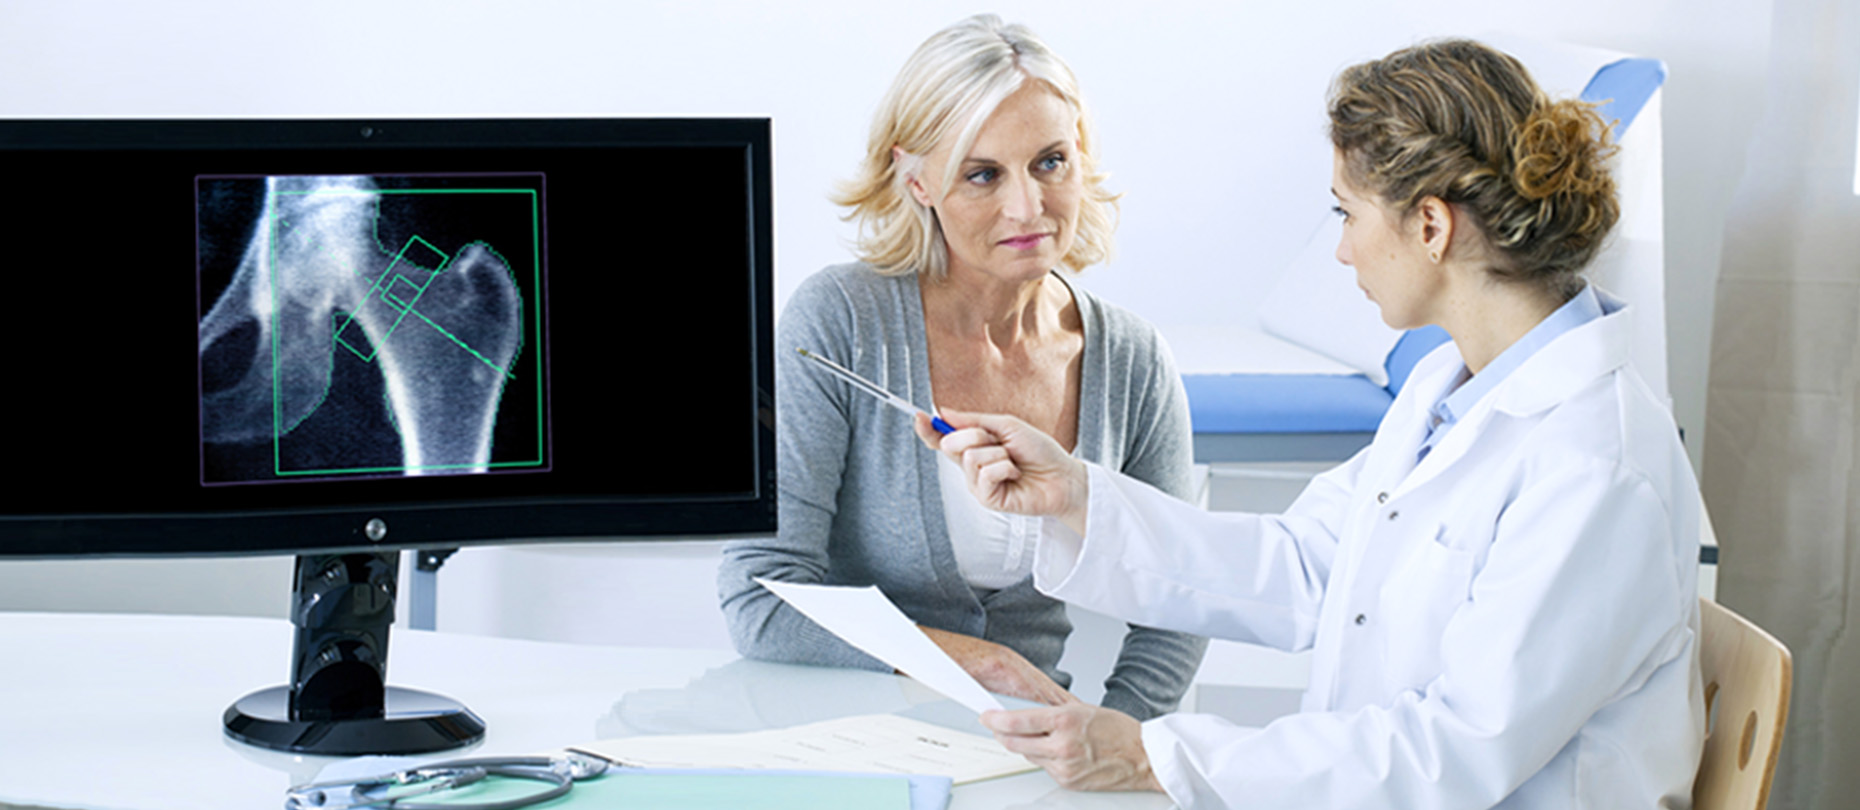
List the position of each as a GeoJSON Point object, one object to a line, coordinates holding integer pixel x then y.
{"type": "Point", "coordinates": [338, 702]}
{"type": "Point", "coordinates": [412, 722]}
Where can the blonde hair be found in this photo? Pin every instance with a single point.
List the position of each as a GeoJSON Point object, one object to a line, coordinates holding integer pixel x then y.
{"type": "Point", "coordinates": [947, 89]}
{"type": "Point", "coordinates": [1463, 122]}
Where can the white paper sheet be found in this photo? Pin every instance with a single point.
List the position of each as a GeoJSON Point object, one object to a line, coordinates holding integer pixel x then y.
{"type": "Point", "coordinates": [872, 743]}
{"type": "Point", "coordinates": [869, 621]}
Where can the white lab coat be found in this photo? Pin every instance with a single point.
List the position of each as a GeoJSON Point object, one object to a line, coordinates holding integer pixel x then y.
{"type": "Point", "coordinates": [1513, 622]}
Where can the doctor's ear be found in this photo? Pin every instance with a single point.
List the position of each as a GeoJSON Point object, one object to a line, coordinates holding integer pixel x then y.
{"type": "Point", "coordinates": [1436, 218]}
{"type": "Point", "coordinates": [909, 169]}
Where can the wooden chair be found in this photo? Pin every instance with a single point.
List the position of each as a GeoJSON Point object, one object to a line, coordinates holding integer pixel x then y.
{"type": "Point", "coordinates": [1746, 673]}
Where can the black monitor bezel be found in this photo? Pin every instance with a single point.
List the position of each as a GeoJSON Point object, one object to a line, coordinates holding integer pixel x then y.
{"type": "Point", "coordinates": [429, 525]}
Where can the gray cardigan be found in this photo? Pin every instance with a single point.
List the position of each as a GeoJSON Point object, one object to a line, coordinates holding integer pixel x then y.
{"type": "Point", "coordinates": [859, 503]}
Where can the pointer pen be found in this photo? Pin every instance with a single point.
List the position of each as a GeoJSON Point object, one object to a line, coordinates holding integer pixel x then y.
{"type": "Point", "coordinates": [867, 386]}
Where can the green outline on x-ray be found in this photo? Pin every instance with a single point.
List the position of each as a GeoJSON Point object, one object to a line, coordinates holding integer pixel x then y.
{"type": "Point", "coordinates": [386, 290]}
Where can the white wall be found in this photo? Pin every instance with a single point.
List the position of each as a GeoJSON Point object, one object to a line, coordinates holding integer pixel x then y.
{"type": "Point", "coordinates": [1210, 116]}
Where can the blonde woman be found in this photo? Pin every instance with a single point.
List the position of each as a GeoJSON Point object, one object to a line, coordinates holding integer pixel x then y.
{"type": "Point", "coordinates": [1500, 591]}
{"type": "Point", "coordinates": [978, 190]}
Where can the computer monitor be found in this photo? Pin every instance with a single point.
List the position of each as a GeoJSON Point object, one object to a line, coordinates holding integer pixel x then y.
{"type": "Point", "coordinates": [338, 339]}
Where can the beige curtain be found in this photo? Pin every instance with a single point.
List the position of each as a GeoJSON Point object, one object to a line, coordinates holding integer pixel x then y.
{"type": "Point", "coordinates": [1782, 448]}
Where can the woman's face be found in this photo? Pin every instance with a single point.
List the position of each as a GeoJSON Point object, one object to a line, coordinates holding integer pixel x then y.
{"type": "Point", "coordinates": [1390, 257]}
{"type": "Point", "coordinates": [1012, 210]}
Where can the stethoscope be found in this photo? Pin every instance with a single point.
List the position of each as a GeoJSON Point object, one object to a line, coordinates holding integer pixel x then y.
{"type": "Point", "coordinates": [392, 791]}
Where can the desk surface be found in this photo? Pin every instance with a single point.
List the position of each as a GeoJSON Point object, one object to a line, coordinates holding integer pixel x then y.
{"type": "Point", "coordinates": [123, 711]}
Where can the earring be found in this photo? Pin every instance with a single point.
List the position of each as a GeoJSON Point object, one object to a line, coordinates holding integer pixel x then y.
{"type": "Point", "coordinates": [1434, 256]}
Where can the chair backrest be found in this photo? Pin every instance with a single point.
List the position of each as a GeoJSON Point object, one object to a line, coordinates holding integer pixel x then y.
{"type": "Point", "coordinates": [1746, 673]}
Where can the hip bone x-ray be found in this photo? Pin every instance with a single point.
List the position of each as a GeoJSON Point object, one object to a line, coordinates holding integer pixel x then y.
{"type": "Point", "coordinates": [368, 326]}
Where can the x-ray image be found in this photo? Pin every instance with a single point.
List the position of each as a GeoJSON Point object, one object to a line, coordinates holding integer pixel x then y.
{"type": "Point", "coordinates": [369, 326]}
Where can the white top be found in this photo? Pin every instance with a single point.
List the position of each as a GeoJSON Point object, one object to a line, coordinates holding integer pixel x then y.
{"type": "Point", "coordinates": [1511, 622]}
{"type": "Point", "coordinates": [993, 549]}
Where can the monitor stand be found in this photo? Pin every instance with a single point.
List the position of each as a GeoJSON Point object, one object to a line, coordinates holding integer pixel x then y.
{"type": "Point", "coordinates": [338, 702]}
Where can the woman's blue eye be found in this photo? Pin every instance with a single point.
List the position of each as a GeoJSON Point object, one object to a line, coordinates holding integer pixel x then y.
{"type": "Point", "coordinates": [982, 176]}
{"type": "Point", "coordinates": [1338, 210]}
{"type": "Point", "coordinates": [1052, 162]}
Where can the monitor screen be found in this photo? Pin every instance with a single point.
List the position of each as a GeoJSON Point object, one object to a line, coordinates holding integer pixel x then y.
{"type": "Point", "coordinates": [292, 336]}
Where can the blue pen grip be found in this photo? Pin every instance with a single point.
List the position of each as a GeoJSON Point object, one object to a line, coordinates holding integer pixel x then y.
{"type": "Point", "coordinates": [941, 426]}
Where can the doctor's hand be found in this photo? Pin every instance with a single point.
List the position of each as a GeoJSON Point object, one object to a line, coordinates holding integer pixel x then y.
{"type": "Point", "coordinates": [1012, 467]}
{"type": "Point", "coordinates": [999, 668]}
{"type": "Point", "coordinates": [1084, 747]}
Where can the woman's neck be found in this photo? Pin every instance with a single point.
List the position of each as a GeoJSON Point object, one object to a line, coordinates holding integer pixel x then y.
{"type": "Point", "coordinates": [972, 306]}
{"type": "Point", "coordinates": [1487, 317]}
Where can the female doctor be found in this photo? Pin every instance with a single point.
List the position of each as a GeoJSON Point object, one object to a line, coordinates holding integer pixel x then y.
{"type": "Point", "coordinates": [1499, 592]}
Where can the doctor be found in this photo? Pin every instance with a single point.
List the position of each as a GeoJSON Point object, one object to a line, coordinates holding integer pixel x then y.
{"type": "Point", "coordinates": [1500, 591]}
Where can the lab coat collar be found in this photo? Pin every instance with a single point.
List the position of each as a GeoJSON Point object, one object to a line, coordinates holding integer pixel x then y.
{"type": "Point", "coordinates": [1555, 373]}
{"type": "Point", "coordinates": [1575, 359]}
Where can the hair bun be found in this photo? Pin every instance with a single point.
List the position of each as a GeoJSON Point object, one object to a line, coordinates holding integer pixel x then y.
{"type": "Point", "coordinates": [1561, 149]}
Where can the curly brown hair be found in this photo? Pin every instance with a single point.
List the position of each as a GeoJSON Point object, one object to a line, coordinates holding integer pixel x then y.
{"type": "Point", "coordinates": [1463, 122]}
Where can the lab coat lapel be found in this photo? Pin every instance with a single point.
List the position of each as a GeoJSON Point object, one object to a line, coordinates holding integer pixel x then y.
{"type": "Point", "coordinates": [1404, 428]}
{"type": "Point", "coordinates": [1451, 448]}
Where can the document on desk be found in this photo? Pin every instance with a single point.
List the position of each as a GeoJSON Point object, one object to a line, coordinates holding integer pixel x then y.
{"type": "Point", "coordinates": [869, 621]}
{"type": "Point", "coordinates": [870, 743]}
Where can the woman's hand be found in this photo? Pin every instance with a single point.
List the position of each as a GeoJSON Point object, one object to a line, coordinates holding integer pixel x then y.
{"type": "Point", "coordinates": [1000, 669]}
{"type": "Point", "coordinates": [1084, 747]}
{"type": "Point", "coordinates": [1013, 467]}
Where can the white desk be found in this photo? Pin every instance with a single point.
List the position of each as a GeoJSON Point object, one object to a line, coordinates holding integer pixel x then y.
{"type": "Point", "coordinates": [123, 711]}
